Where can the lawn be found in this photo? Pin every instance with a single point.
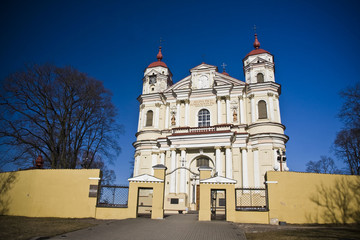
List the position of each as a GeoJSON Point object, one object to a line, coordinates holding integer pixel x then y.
{"type": "Point", "coordinates": [308, 233]}
{"type": "Point", "coordinates": [22, 228]}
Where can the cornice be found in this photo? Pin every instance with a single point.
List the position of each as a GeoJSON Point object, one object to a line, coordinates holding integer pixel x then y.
{"type": "Point", "coordinates": [261, 124]}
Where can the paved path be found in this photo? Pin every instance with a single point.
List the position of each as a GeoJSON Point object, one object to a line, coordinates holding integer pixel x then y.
{"type": "Point", "coordinates": [174, 227]}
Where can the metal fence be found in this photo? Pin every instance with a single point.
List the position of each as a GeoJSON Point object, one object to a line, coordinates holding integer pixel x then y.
{"type": "Point", "coordinates": [251, 199]}
{"type": "Point", "coordinates": [113, 196]}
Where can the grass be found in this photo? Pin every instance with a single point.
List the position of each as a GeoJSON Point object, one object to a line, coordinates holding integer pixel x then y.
{"type": "Point", "coordinates": [308, 233]}
{"type": "Point", "coordinates": [23, 228]}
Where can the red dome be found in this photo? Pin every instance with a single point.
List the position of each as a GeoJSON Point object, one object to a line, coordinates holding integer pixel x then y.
{"type": "Point", "coordinates": [257, 49]}
{"type": "Point", "coordinates": [158, 63]}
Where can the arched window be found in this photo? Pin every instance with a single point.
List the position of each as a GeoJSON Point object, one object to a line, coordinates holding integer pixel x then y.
{"type": "Point", "coordinates": [262, 109]}
{"type": "Point", "coordinates": [204, 118]}
{"type": "Point", "coordinates": [149, 118]}
{"type": "Point", "coordinates": [202, 162]}
{"type": "Point", "coordinates": [260, 78]}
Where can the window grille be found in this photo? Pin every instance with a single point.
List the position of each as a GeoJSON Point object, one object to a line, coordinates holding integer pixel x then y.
{"type": "Point", "coordinates": [262, 109]}
{"type": "Point", "coordinates": [204, 118]}
{"type": "Point", "coordinates": [260, 78]}
{"type": "Point", "coordinates": [251, 199]}
{"type": "Point", "coordinates": [202, 162]}
{"type": "Point", "coordinates": [149, 118]}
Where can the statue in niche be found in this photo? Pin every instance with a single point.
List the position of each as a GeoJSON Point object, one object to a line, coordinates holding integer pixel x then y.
{"type": "Point", "coordinates": [173, 120]}
{"type": "Point", "coordinates": [235, 116]}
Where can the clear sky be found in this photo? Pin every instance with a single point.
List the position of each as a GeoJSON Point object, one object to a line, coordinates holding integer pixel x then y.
{"type": "Point", "coordinates": [315, 44]}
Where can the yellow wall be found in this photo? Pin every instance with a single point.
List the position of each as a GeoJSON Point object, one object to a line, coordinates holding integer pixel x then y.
{"type": "Point", "coordinates": [112, 213]}
{"type": "Point", "coordinates": [48, 193]}
{"type": "Point", "coordinates": [231, 214]}
{"type": "Point", "coordinates": [301, 197]}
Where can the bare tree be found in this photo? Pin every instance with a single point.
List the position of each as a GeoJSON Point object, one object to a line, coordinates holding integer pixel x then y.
{"type": "Point", "coordinates": [347, 147]}
{"type": "Point", "coordinates": [60, 113]}
{"type": "Point", "coordinates": [347, 142]}
{"type": "Point", "coordinates": [350, 111]}
{"type": "Point", "coordinates": [324, 165]}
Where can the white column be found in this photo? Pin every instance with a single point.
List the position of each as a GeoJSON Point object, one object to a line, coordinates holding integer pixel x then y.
{"type": "Point", "coordinates": [245, 178]}
{"type": "Point", "coordinates": [137, 165]}
{"type": "Point", "coordinates": [167, 116]}
{"type": "Point", "coordinates": [153, 162]}
{"type": "Point", "coordinates": [182, 171]}
{"type": "Point", "coordinates": [242, 111]}
{"type": "Point", "coordinates": [162, 157]}
{"type": "Point", "coordinates": [253, 109]}
{"type": "Point", "coordinates": [256, 168]}
{"type": "Point", "coordinates": [228, 113]}
{"type": "Point", "coordinates": [139, 122]}
{"type": "Point", "coordinates": [186, 113]}
{"type": "Point", "coordinates": [228, 163]}
{"type": "Point", "coordinates": [143, 118]}
{"type": "Point", "coordinates": [157, 115]}
{"type": "Point", "coordinates": [173, 175]}
{"type": "Point", "coordinates": [178, 114]}
{"type": "Point", "coordinates": [218, 165]}
{"type": "Point", "coordinates": [219, 110]}
{"type": "Point", "coordinates": [271, 106]}
{"type": "Point", "coordinates": [278, 108]}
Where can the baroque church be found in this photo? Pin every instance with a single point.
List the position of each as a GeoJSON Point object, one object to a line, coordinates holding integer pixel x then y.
{"type": "Point", "coordinates": [210, 120]}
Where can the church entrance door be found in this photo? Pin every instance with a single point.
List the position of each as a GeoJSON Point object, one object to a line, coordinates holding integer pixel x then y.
{"type": "Point", "coordinates": [218, 204]}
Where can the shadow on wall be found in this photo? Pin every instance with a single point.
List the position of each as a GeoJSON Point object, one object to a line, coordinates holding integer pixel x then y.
{"type": "Point", "coordinates": [338, 203]}
{"type": "Point", "coordinates": [7, 180]}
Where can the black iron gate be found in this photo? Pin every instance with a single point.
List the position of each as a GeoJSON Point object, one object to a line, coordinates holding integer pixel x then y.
{"type": "Point", "coordinates": [144, 202]}
{"type": "Point", "coordinates": [218, 204]}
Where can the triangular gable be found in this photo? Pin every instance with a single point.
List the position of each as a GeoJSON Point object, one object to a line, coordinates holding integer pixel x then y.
{"type": "Point", "coordinates": [182, 84]}
{"type": "Point", "coordinates": [203, 66]}
{"type": "Point", "coordinates": [258, 59]}
{"type": "Point", "coordinates": [219, 180]}
{"type": "Point", "coordinates": [145, 178]}
{"type": "Point", "coordinates": [221, 79]}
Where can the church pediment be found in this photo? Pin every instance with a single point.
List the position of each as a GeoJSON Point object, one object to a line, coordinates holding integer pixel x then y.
{"type": "Point", "coordinates": [258, 60]}
{"type": "Point", "coordinates": [182, 84]}
{"type": "Point", "coordinates": [145, 178]}
{"type": "Point", "coordinates": [219, 180]}
{"type": "Point", "coordinates": [203, 67]}
{"type": "Point", "coordinates": [222, 80]}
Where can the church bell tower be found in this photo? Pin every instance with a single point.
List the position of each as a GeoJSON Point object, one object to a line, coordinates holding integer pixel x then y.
{"type": "Point", "coordinates": [259, 65]}
{"type": "Point", "coordinates": [157, 76]}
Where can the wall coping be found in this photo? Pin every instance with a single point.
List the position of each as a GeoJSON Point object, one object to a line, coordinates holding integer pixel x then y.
{"type": "Point", "coordinates": [145, 178]}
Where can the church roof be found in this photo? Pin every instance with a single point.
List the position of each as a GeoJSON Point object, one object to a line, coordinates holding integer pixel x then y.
{"type": "Point", "coordinates": [257, 49]}
{"type": "Point", "coordinates": [158, 63]}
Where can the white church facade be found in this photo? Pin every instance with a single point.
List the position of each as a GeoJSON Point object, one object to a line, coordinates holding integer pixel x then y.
{"type": "Point", "coordinates": [210, 119]}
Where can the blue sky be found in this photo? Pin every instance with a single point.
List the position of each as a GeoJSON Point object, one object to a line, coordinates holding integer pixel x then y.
{"type": "Point", "coordinates": [315, 44]}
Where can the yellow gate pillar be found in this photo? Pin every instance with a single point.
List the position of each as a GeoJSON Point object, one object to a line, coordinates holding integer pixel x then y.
{"type": "Point", "coordinates": [204, 206]}
{"type": "Point", "coordinates": [158, 197]}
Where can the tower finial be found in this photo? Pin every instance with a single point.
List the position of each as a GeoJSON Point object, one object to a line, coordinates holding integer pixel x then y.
{"type": "Point", "coordinates": [159, 56]}
{"type": "Point", "coordinates": [256, 42]}
{"type": "Point", "coordinates": [224, 70]}
{"type": "Point", "coordinates": [223, 66]}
